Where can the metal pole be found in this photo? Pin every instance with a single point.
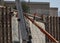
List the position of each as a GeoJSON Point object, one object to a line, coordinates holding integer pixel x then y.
{"type": "Point", "coordinates": [21, 23]}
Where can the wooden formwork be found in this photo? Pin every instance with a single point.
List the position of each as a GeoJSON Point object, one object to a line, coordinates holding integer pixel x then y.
{"type": "Point", "coordinates": [5, 25]}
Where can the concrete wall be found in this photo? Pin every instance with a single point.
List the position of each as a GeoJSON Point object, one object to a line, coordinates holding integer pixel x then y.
{"type": "Point", "coordinates": [39, 8]}
{"type": "Point", "coordinates": [14, 29]}
{"type": "Point", "coordinates": [35, 7]}
{"type": "Point", "coordinates": [1, 2]}
{"type": "Point", "coordinates": [37, 35]}
{"type": "Point", "coordinates": [53, 11]}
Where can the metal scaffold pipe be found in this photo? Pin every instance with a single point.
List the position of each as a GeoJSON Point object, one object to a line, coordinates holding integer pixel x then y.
{"type": "Point", "coordinates": [21, 23]}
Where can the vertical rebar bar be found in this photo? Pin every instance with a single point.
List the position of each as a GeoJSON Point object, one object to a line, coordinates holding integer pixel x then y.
{"type": "Point", "coordinates": [2, 21]}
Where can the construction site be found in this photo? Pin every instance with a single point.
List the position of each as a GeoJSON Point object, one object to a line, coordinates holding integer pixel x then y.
{"type": "Point", "coordinates": [28, 22]}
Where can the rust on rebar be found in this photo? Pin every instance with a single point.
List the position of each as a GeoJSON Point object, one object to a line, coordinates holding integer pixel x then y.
{"type": "Point", "coordinates": [42, 30]}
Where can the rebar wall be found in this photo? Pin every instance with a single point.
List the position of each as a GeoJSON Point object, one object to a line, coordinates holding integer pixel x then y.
{"type": "Point", "coordinates": [5, 25]}
{"type": "Point", "coordinates": [52, 26]}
